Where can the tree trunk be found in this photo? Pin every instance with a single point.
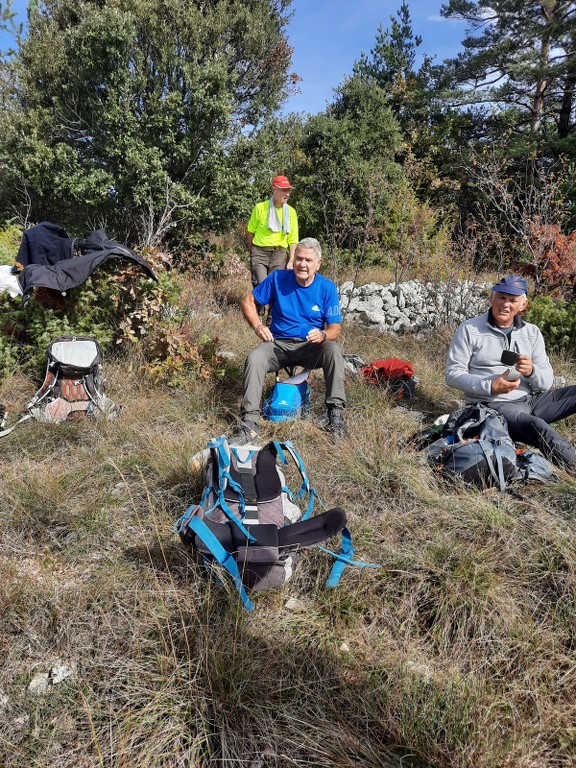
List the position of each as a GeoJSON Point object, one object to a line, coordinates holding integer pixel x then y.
{"type": "Point", "coordinates": [542, 83]}
{"type": "Point", "coordinates": [568, 90]}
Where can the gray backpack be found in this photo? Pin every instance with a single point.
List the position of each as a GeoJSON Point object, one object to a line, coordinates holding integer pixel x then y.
{"type": "Point", "coordinates": [475, 447]}
{"type": "Point", "coordinates": [249, 522]}
{"type": "Point", "coordinates": [533, 466]}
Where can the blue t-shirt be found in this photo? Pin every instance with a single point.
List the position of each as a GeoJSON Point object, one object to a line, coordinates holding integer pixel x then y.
{"type": "Point", "coordinates": [296, 309]}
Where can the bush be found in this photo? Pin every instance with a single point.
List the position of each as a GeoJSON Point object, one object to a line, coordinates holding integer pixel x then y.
{"type": "Point", "coordinates": [119, 308]}
{"type": "Point", "coordinates": [10, 237]}
{"type": "Point", "coordinates": [556, 319]}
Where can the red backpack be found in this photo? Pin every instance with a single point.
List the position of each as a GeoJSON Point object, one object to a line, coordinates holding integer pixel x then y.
{"type": "Point", "coordinates": [394, 374]}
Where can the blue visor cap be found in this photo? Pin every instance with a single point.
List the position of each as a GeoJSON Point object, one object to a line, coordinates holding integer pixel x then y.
{"type": "Point", "coordinates": [514, 285]}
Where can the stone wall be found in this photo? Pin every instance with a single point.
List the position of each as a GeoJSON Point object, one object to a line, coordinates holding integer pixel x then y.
{"type": "Point", "coordinates": [413, 305]}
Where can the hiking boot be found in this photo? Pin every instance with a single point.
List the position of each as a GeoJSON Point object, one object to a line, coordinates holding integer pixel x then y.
{"type": "Point", "coordinates": [247, 432]}
{"type": "Point", "coordinates": [335, 422]}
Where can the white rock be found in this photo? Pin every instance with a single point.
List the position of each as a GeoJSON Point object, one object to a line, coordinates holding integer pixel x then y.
{"type": "Point", "coordinates": [60, 672]}
{"type": "Point", "coordinates": [346, 288]}
{"type": "Point", "coordinates": [38, 686]}
{"type": "Point", "coordinates": [293, 604]}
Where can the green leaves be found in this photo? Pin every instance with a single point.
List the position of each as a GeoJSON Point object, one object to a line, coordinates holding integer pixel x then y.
{"type": "Point", "coordinates": [124, 110]}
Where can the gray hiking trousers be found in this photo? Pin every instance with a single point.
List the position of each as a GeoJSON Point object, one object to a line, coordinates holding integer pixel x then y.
{"type": "Point", "coordinates": [271, 356]}
{"type": "Point", "coordinates": [529, 422]}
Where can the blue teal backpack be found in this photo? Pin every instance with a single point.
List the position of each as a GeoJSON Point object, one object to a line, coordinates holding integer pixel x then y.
{"type": "Point", "coordinates": [288, 399]}
{"type": "Point", "coordinates": [249, 522]}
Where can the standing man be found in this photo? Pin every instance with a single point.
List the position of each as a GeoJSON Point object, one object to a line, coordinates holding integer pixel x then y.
{"type": "Point", "coordinates": [520, 392]}
{"type": "Point", "coordinates": [272, 230]}
{"type": "Point", "coordinates": [305, 326]}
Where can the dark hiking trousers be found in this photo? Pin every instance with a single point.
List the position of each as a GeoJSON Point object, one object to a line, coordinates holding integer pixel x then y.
{"type": "Point", "coordinates": [529, 422]}
{"type": "Point", "coordinates": [266, 260]}
{"type": "Point", "coordinates": [273, 355]}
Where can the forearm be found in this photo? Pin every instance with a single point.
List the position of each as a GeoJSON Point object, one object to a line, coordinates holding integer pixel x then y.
{"type": "Point", "coordinates": [457, 372]}
{"type": "Point", "coordinates": [249, 240]}
{"type": "Point", "coordinates": [250, 311]}
{"type": "Point", "coordinates": [469, 383]}
{"type": "Point", "coordinates": [332, 332]}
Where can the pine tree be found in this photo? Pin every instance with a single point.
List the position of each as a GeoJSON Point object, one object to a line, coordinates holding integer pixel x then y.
{"type": "Point", "coordinates": [518, 68]}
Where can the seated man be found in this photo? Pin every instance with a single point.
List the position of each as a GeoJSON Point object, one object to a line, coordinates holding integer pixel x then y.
{"type": "Point", "coordinates": [521, 393]}
{"type": "Point", "coordinates": [305, 325]}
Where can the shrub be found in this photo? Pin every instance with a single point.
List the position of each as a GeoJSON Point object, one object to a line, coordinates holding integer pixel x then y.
{"type": "Point", "coordinates": [8, 357]}
{"type": "Point", "coordinates": [556, 319]}
{"type": "Point", "coordinates": [554, 258]}
{"type": "Point", "coordinates": [10, 237]}
{"type": "Point", "coordinates": [119, 308]}
{"type": "Point", "coordinates": [178, 359]}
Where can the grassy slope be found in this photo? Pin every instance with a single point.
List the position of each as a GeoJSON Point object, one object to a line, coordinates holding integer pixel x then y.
{"type": "Point", "coordinates": [460, 651]}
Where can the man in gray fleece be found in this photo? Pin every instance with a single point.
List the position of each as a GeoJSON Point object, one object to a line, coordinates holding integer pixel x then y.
{"type": "Point", "coordinates": [521, 391]}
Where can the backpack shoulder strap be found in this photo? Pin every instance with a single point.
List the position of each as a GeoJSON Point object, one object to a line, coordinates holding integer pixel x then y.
{"type": "Point", "coordinates": [493, 450]}
{"type": "Point", "coordinates": [50, 378]}
{"type": "Point", "coordinates": [222, 556]}
{"type": "Point", "coordinates": [7, 431]}
{"type": "Point", "coordinates": [305, 488]}
{"type": "Point", "coordinates": [221, 462]}
{"type": "Point", "coordinates": [344, 558]}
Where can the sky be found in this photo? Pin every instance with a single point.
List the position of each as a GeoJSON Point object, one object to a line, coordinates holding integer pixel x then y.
{"type": "Point", "coordinates": [328, 36]}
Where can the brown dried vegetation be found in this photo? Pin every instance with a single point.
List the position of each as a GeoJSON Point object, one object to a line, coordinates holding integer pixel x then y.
{"type": "Point", "coordinates": [460, 651]}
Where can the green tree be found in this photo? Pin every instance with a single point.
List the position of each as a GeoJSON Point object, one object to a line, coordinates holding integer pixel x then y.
{"type": "Point", "coordinates": [126, 112]}
{"type": "Point", "coordinates": [518, 69]}
{"type": "Point", "coordinates": [431, 129]}
{"type": "Point", "coordinates": [347, 169]}
{"type": "Point", "coordinates": [392, 66]}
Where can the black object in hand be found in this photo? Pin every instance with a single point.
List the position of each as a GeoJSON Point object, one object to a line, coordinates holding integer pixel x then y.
{"type": "Point", "coordinates": [509, 357]}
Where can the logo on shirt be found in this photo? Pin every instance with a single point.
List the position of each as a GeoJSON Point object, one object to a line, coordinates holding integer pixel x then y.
{"type": "Point", "coordinates": [315, 308]}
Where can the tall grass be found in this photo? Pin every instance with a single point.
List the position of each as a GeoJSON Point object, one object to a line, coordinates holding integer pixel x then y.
{"type": "Point", "coordinates": [459, 652]}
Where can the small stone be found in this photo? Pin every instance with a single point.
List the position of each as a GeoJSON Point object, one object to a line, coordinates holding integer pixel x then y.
{"type": "Point", "coordinates": [21, 722]}
{"type": "Point", "coordinates": [293, 604]}
{"type": "Point", "coordinates": [345, 648]}
{"type": "Point", "coordinates": [38, 686]}
{"type": "Point", "coordinates": [60, 672]}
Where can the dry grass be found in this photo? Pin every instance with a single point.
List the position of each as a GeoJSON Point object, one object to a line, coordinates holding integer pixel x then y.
{"type": "Point", "coordinates": [459, 652]}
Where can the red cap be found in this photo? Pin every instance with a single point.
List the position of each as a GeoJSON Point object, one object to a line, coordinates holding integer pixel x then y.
{"type": "Point", "coordinates": [281, 182]}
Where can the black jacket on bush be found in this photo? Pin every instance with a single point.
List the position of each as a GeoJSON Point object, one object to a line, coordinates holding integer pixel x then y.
{"type": "Point", "coordinates": [47, 251]}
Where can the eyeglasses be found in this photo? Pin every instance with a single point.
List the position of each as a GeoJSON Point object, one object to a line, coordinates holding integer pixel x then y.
{"type": "Point", "coordinates": [284, 191]}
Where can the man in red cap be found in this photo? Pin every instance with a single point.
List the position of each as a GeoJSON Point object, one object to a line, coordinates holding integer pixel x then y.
{"type": "Point", "coordinates": [272, 230]}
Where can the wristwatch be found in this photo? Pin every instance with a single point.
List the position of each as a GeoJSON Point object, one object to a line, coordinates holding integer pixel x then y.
{"type": "Point", "coordinates": [323, 335]}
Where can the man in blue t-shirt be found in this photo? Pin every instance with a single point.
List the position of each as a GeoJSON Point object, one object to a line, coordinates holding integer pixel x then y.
{"type": "Point", "coordinates": [305, 326]}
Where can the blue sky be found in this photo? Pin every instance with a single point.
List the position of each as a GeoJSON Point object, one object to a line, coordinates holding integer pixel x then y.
{"type": "Point", "coordinates": [328, 36]}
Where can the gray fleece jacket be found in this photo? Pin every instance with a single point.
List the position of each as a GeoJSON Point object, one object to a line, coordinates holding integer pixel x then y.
{"type": "Point", "coordinates": [474, 359]}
